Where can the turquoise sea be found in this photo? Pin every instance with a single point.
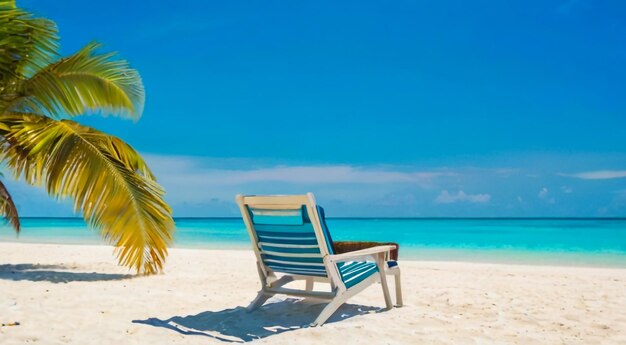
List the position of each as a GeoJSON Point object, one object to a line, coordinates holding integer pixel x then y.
{"type": "Point", "coordinates": [581, 242]}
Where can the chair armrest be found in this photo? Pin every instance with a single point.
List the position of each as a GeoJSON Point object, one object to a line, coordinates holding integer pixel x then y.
{"type": "Point", "coordinates": [359, 254]}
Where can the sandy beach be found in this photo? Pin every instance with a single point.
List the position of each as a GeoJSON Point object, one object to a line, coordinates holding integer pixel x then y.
{"type": "Point", "coordinates": [77, 294]}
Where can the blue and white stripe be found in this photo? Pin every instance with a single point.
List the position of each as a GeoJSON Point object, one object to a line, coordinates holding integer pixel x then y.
{"type": "Point", "coordinates": [288, 244]}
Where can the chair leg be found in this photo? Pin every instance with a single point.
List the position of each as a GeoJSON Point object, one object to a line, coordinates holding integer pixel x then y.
{"type": "Point", "coordinates": [261, 297]}
{"type": "Point", "coordinates": [309, 284]}
{"type": "Point", "coordinates": [328, 311]}
{"type": "Point", "coordinates": [383, 281]}
{"type": "Point", "coordinates": [398, 289]}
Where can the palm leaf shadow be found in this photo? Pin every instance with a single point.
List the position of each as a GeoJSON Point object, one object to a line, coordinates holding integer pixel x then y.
{"type": "Point", "coordinates": [54, 274]}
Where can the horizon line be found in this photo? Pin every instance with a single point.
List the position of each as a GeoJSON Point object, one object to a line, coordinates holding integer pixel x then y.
{"type": "Point", "coordinates": [387, 218]}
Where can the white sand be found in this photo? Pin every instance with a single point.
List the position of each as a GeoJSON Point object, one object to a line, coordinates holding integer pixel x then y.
{"type": "Point", "coordinates": [77, 294]}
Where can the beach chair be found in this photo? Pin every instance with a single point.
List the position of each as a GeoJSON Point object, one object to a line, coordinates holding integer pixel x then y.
{"type": "Point", "coordinates": [291, 242]}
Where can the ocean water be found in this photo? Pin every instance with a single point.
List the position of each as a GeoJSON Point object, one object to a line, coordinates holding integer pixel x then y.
{"type": "Point", "coordinates": [578, 242]}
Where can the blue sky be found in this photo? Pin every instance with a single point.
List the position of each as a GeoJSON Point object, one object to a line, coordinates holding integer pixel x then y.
{"type": "Point", "coordinates": [382, 108]}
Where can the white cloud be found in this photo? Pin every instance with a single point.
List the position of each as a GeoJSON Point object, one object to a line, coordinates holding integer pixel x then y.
{"type": "Point", "coordinates": [201, 186]}
{"type": "Point", "coordinates": [544, 194]}
{"type": "Point", "coordinates": [186, 168]}
{"type": "Point", "coordinates": [320, 174]}
{"type": "Point", "coordinates": [567, 189]}
{"type": "Point", "coordinates": [446, 198]}
{"type": "Point", "coordinates": [190, 179]}
{"type": "Point", "coordinates": [598, 174]}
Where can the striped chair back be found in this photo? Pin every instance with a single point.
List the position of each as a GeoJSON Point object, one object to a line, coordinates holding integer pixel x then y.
{"type": "Point", "coordinates": [288, 237]}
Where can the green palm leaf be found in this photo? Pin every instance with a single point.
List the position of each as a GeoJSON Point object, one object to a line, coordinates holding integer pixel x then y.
{"type": "Point", "coordinates": [85, 82]}
{"type": "Point", "coordinates": [106, 178]}
{"type": "Point", "coordinates": [27, 44]}
{"type": "Point", "coordinates": [8, 209]}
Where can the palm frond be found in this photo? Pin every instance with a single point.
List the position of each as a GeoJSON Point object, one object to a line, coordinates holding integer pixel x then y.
{"type": "Point", "coordinates": [107, 180]}
{"type": "Point", "coordinates": [7, 4]}
{"type": "Point", "coordinates": [8, 209]}
{"type": "Point", "coordinates": [27, 44]}
{"type": "Point", "coordinates": [86, 82]}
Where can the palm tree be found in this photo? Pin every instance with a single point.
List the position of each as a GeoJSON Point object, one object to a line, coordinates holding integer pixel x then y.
{"type": "Point", "coordinates": [108, 181]}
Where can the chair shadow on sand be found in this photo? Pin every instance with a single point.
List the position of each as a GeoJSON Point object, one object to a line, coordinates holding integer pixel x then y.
{"type": "Point", "coordinates": [54, 274]}
{"type": "Point", "coordinates": [275, 317]}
